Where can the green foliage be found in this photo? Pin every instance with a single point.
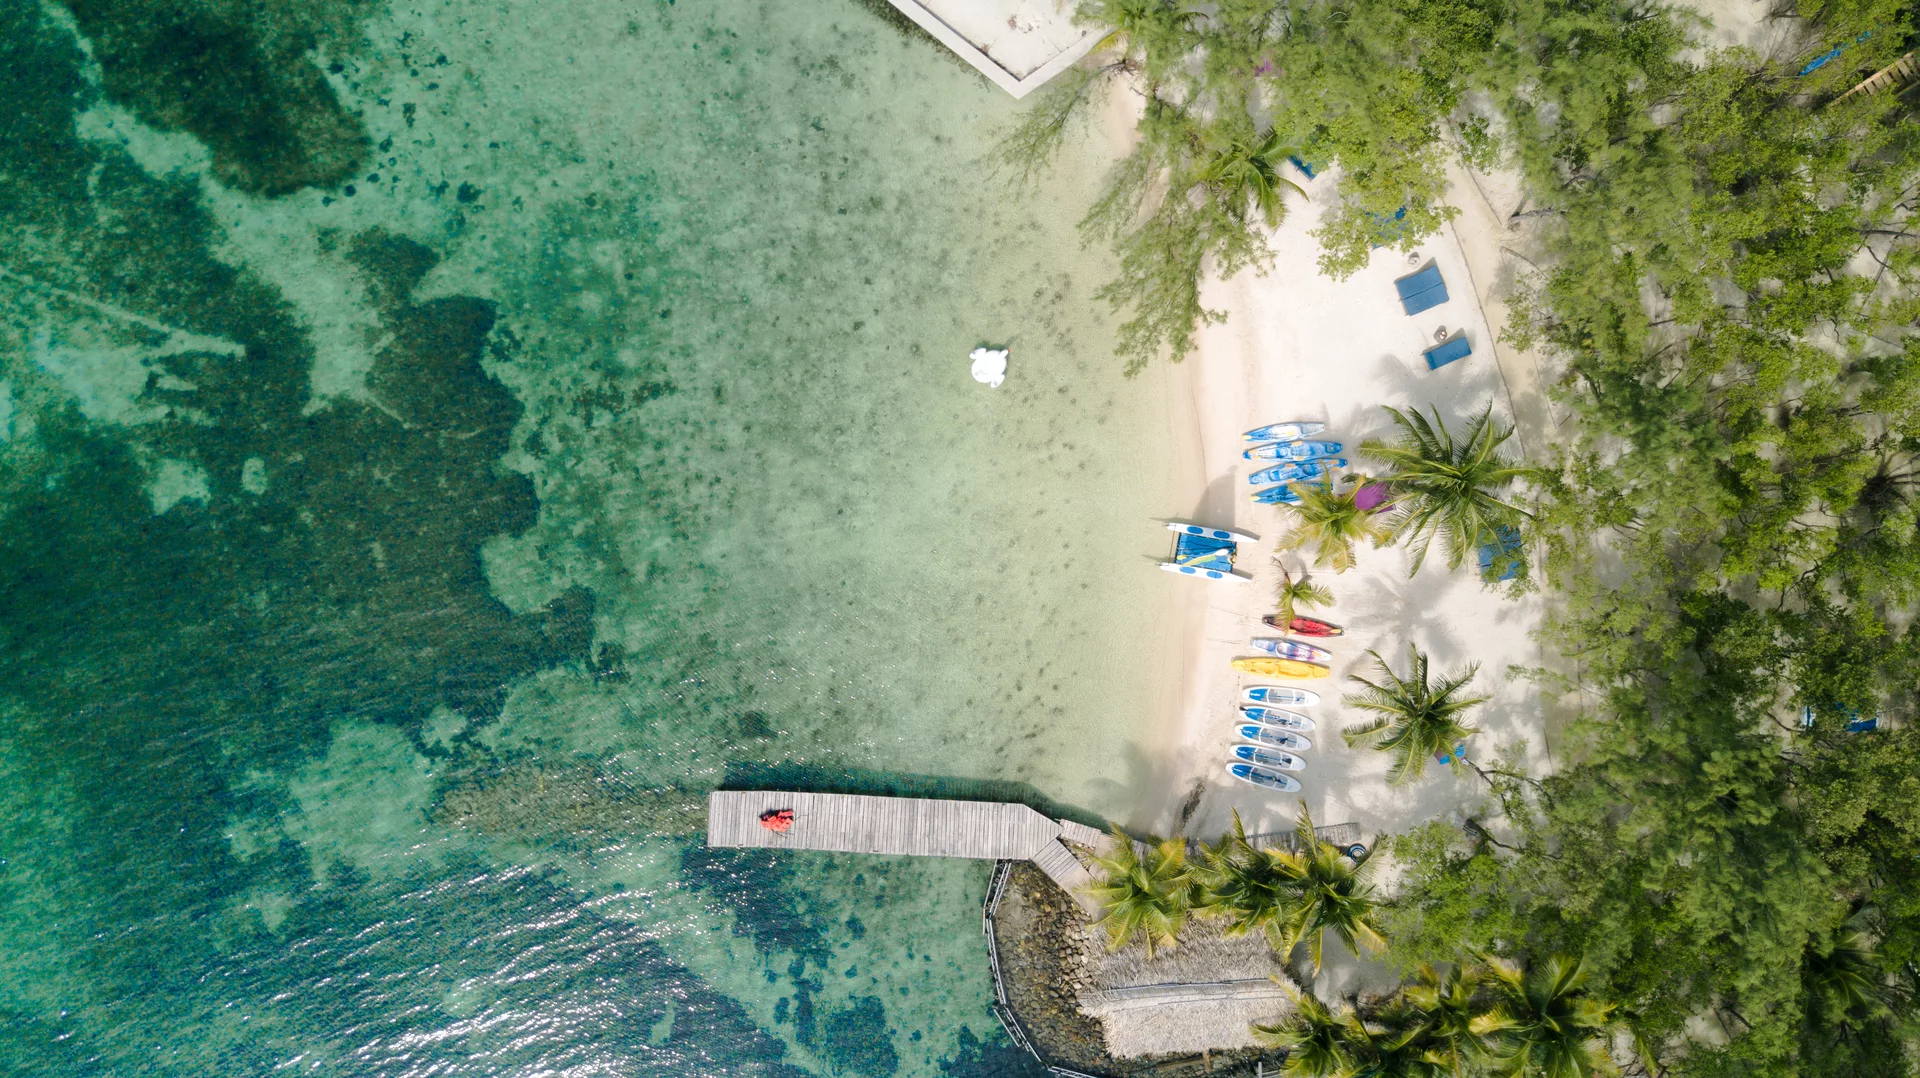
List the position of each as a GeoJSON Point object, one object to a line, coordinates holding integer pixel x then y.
{"type": "Point", "coordinates": [1251, 887]}
{"type": "Point", "coordinates": [1545, 1023]}
{"type": "Point", "coordinates": [1329, 521]}
{"type": "Point", "coordinates": [1294, 594]}
{"type": "Point", "coordinates": [1419, 717]}
{"type": "Point", "coordinates": [1144, 896]}
{"type": "Point", "coordinates": [1293, 896]}
{"type": "Point", "coordinates": [1449, 488]}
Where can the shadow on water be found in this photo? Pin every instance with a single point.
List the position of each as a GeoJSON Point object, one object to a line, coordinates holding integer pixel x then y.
{"type": "Point", "coordinates": [843, 780]}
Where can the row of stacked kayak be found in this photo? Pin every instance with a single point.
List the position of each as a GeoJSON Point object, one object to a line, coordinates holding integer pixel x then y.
{"type": "Point", "coordinates": [1296, 458]}
{"type": "Point", "coordinates": [1273, 734]}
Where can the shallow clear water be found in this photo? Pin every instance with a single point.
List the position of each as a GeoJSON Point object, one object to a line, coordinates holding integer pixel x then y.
{"type": "Point", "coordinates": [442, 443]}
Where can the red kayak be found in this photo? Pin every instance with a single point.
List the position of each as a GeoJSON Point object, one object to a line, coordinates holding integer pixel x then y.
{"type": "Point", "coordinates": [1305, 626]}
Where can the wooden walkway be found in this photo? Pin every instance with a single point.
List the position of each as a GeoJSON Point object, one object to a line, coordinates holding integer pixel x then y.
{"type": "Point", "coordinates": [909, 826]}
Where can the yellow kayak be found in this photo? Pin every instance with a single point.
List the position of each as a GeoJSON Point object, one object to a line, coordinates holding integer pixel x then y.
{"type": "Point", "coordinates": [1279, 668]}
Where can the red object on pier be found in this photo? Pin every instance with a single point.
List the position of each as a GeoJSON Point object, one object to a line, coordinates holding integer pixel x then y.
{"type": "Point", "coordinates": [777, 820]}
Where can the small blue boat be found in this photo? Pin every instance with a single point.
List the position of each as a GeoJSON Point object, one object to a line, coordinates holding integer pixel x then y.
{"type": "Point", "coordinates": [1284, 432]}
{"type": "Point", "coordinates": [1305, 469]}
{"type": "Point", "coordinates": [1292, 451]}
{"type": "Point", "coordinates": [1278, 717]}
{"type": "Point", "coordinates": [1265, 777]}
{"type": "Point", "coordinates": [1279, 694]}
{"type": "Point", "coordinates": [1273, 738]}
{"type": "Point", "coordinates": [1285, 761]}
{"type": "Point", "coordinates": [1280, 495]}
{"type": "Point", "coordinates": [1205, 553]}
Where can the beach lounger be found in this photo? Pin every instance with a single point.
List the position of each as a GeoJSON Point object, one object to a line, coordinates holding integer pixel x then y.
{"type": "Point", "coordinates": [1421, 290]}
{"type": "Point", "coordinates": [1447, 351]}
{"type": "Point", "coordinates": [1502, 559]}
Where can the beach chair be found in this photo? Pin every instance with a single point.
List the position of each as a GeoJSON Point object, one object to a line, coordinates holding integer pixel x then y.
{"type": "Point", "coordinates": [1447, 351]}
{"type": "Point", "coordinates": [1459, 753]}
{"type": "Point", "coordinates": [1421, 290]}
{"type": "Point", "coordinates": [1501, 560]}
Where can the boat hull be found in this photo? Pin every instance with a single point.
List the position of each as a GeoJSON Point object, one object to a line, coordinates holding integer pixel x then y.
{"type": "Point", "coordinates": [1286, 761]}
{"type": "Point", "coordinates": [1271, 738]}
{"type": "Point", "coordinates": [1283, 432]}
{"type": "Point", "coordinates": [1292, 451]}
{"type": "Point", "coordinates": [1279, 718]}
{"type": "Point", "coordinates": [1304, 626]}
{"type": "Point", "coordinates": [1290, 473]}
{"type": "Point", "coordinates": [1279, 694]}
{"type": "Point", "coordinates": [1264, 777]}
{"type": "Point", "coordinates": [1280, 668]}
{"type": "Point", "coordinates": [1199, 573]}
{"type": "Point", "coordinates": [1291, 649]}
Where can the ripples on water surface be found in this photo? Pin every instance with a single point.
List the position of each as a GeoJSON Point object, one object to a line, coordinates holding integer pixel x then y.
{"type": "Point", "coordinates": [442, 442]}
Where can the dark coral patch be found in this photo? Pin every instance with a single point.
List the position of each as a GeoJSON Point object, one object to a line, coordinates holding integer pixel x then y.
{"type": "Point", "coordinates": [237, 77]}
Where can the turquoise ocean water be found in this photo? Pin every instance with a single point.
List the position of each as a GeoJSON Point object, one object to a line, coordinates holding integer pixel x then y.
{"type": "Point", "coordinates": [438, 443]}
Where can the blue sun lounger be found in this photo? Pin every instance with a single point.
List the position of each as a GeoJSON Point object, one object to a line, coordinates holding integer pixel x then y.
{"type": "Point", "coordinates": [1422, 290]}
{"type": "Point", "coordinates": [1447, 351]}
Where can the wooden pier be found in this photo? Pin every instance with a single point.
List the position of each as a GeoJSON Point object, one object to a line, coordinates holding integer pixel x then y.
{"type": "Point", "coordinates": [910, 826]}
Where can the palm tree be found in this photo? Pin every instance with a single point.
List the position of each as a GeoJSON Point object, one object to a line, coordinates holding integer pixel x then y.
{"type": "Point", "coordinates": [1315, 1038]}
{"type": "Point", "coordinates": [1330, 893]}
{"type": "Point", "coordinates": [1445, 1006]}
{"type": "Point", "coordinates": [1145, 896]}
{"type": "Point", "coordinates": [1544, 1023]}
{"type": "Point", "coordinates": [1294, 594]}
{"type": "Point", "coordinates": [1331, 522]}
{"type": "Point", "coordinates": [1419, 719]}
{"type": "Point", "coordinates": [1252, 888]}
{"type": "Point", "coordinates": [1449, 488]}
{"type": "Point", "coordinates": [1243, 168]}
{"type": "Point", "coordinates": [1845, 984]}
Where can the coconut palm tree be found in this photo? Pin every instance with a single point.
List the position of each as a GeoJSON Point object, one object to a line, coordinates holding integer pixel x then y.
{"type": "Point", "coordinates": [1446, 1007]}
{"type": "Point", "coordinates": [1845, 984]}
{"type": "Point", "coordinates": [1252, 888]}
{"type": "Point", "coordinates": [1315, 1038]}
{"type": "Point", "coordinates": [1242, 169]}
{"type": "Point", "coordinates": [1330, 893]}
{"type": "Point", "coordinates": [1544, 1023]}
{"type": "Point", "coordinates": [1146, 896]}
{"type": "Point", "coordinates": [1330, 521]}
{"type": "Point", "coordinates": [1419, 717]}
{"type": "Point", "coordinates": [1294, 594]}
{"type": "Point", "coordinates": [1447, 488]}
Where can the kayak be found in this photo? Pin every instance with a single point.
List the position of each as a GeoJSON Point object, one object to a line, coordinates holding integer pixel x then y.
{"type": "Point", "coordinates": [1267, 735]}
{"type": "Point", "coordinates": [1280, 668]}
{"type": "Point", "coordinates": [1279, 694]}
{"type": "Point", "coordinates": [1292, 649]}
{"type": "Point", "coordinates": [1292, 451]}
{"type": "Point", "coordinates": [1264, 776]}
{"type": "Point", "coordinates": [1300, 626]}
{"type": "Point", "coordinates": [1283, 432]}
{"type": "Point", "coordinates": [1298, 470]}
{"type": "Point", "coordinates": [1279, 717]}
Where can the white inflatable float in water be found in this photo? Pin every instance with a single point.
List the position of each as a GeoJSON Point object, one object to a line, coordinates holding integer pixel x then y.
{"type": "Point", "coordinates": [989, 366]}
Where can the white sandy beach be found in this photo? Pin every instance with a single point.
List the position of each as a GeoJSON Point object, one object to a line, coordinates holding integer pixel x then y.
{"type": "Point", "coordinates": [1298, 345]}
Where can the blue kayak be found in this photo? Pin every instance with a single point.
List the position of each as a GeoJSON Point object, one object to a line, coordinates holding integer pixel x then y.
{"type": "Point", "coordinates": [1292, 451]}
{"type": "Point", "coordinates": [1303, 469]}
{"type": "Point", "coordinates": [1280, 495]}
{"type": "Point", "coordinates": [1264, 776]}
{"type": "Point", "coordinates": [1283, 432]}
